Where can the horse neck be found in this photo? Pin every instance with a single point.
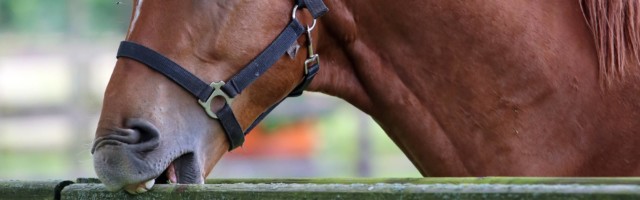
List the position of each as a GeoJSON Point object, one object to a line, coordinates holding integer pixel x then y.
{"type": "Point", "coordinates": [389, 85]}
{"type": "Point", "coordinates": [351, 69]}
{"type": "Point", "coordinates": [339, 75]}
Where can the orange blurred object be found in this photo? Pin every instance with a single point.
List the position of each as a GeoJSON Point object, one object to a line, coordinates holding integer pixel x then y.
{"type": "Point", "coordinates": [293, 140]}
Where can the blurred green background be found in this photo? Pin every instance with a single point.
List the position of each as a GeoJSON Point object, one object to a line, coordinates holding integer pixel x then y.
{"type": "Point", "coordinates": [56, 57]}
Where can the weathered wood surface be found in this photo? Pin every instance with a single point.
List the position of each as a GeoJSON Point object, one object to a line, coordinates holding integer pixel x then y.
{"type": "Point", "coordinates": [456, 180]}
{"type": "Point", "coordinates": [14, 189]}
{"type": "Point", "coordinates": [362, 191]}
{"type": "Point", "coordinates": [377, 188]}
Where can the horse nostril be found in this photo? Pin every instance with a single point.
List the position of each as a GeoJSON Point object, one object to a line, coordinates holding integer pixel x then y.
{"type": "Point", "coordinates": [138, 135]}
{"type": "Point", "coordinates": [146, 133]}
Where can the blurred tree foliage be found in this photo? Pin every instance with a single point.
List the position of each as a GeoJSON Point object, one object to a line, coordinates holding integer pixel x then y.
{"type": "Point", "coordinates": [64, 16]}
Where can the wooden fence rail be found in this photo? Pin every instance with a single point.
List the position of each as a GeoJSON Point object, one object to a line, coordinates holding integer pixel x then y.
{"type": "Point", "coordinates": [394, 188]}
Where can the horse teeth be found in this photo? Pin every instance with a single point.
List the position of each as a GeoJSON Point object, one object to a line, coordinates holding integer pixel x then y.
{"type": "Point", "coordinates": [149, 184]}
{"type": "Point", "coordinates": [140, 188]}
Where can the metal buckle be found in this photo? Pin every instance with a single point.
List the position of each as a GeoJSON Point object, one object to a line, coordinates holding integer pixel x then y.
{"type": "Point", "coordinates": [310, 61]}
{"type": "Point", "coordinates": [293, 16]}
{"type": "Point", "coordinates": [217, 91]}
{"type": "Point", "coordinates": [312, 57]}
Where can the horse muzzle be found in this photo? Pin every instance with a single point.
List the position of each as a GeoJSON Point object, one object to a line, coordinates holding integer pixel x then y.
{"type": "Point", "coordinates": [135, 158]}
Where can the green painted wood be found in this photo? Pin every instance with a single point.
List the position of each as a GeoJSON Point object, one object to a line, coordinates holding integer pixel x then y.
{"type": "Point", "coordinates": [14, 189]}
{"type": "Point", "coordinates": [373, 189]}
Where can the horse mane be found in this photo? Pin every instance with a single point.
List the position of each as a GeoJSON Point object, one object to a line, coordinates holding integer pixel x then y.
{"type": "Point", "coordinates": [615, 25]}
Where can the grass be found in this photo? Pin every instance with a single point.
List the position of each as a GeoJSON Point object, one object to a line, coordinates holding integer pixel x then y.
{"type": "Point", "coordinates": [33, 165]}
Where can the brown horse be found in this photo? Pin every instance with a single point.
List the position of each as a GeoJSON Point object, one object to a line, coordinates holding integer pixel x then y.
{"type": "Point", "coordinates": [464, 88]}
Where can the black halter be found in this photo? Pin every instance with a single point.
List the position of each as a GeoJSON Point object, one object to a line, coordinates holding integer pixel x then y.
{"type": "Point", "coordinates": [234, 86]}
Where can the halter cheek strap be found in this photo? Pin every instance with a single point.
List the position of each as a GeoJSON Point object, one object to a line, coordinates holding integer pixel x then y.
{"type": "Point", "coordinates": [234, 86]}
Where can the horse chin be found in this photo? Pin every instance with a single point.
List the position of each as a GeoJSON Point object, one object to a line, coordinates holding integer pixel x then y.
{"type": "Point", "coordinates": [182, 170]}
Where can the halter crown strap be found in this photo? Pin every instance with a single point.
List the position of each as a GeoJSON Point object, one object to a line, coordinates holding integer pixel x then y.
{"type": "Point", "coordinates": [258, 66]}
{"type": "Point", "coordinates": [264, 60]}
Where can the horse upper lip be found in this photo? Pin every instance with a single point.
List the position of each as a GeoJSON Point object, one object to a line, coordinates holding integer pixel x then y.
{"type": "Point", "coordinates": [118, 164]}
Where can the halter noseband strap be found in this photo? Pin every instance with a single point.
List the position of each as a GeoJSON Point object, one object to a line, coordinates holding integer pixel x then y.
{"type": "Point", "coordinates": [229, 90]}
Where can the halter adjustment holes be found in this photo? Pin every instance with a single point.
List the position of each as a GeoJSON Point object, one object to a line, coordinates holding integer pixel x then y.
{"type": "Point", "coordinates": [216, 100]}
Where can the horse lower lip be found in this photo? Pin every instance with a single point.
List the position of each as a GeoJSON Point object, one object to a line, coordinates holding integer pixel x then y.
{"type": "Point", "coordinates": [183, 169]}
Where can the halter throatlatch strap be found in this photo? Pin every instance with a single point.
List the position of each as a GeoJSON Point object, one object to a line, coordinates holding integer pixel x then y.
{"type": "Point", "coordinates": [258, 66]}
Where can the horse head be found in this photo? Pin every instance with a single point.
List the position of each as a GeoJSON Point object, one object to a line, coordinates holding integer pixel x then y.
{"type": "Point", "coordinates": [152, 128]}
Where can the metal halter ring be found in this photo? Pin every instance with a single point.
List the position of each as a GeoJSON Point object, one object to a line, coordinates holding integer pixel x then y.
{"type": "Point", "coordinates": [217, 91]}
{"type": "Point", "coordinates": [293, 16]}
